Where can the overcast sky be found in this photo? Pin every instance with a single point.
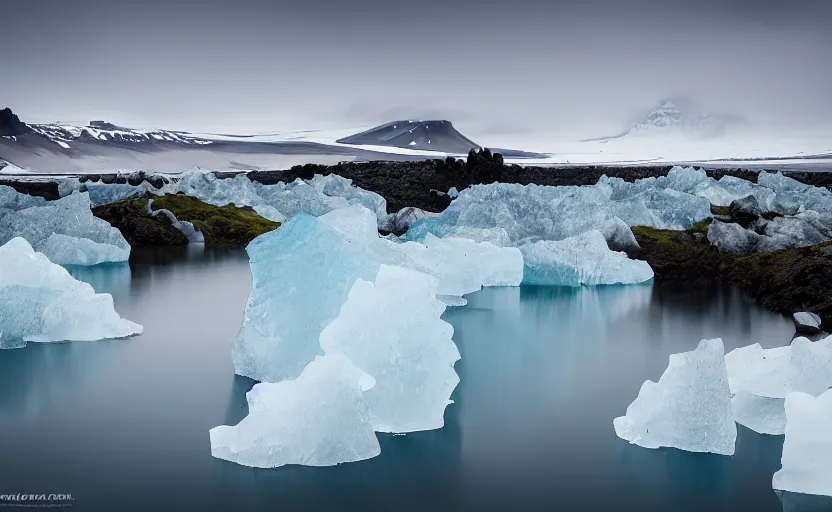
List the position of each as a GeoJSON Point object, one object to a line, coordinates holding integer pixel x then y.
{"type": "Point", "coordinates": [257, 65]}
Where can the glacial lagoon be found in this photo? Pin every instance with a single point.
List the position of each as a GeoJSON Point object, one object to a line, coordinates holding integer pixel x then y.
{"type": "Point", "coordinates": [123, 424]}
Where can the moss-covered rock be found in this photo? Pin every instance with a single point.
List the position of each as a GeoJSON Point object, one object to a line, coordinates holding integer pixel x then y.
{"type": "Point", "coordinates": [783, 281]}
{"type": "Point", "coordinates": [221, 225]}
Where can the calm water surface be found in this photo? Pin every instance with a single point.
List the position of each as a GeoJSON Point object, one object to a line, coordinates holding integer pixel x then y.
{"type": "Point", "coordinates": [123, 424]}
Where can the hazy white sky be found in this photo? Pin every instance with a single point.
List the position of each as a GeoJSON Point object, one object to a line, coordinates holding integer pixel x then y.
{"type": "Point", "coordinates": [257, 65]}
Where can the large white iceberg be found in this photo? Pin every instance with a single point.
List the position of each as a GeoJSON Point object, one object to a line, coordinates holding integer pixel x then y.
{"type": "Point", "coordinates": [689, 408]}
{"type": "Point", "coordinates": [41, 302]}
{"type": "Point", "coordinates": [392, 329]}
{"type": "Point", "coordinates": [807, 449]}
{"type": "Point", "coordinates": [64, 230]}
{"type": "Point", "coordinates": [584, 259]}
{"type": "Point", "coordinates": [761, 378]}
{"type": "Point", "coordinates": [319, 419]}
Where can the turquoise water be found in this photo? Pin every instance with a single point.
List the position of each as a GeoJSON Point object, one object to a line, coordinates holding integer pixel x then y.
{"type": "Point", "coordinates": [123, 424]}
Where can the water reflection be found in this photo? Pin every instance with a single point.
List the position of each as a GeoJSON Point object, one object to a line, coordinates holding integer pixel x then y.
{"type": "Point", "coordinates": [543, 373]}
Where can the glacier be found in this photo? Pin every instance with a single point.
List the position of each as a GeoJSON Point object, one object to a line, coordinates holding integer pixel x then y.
{"type": "Point", "coordinates": [321, 418]}
{"type": "Point", "coordinates": [580, 260]}
{"type": "Point", "coordinates": [689, 408]}
{"type": "Point", "coordinates": [392, 330]}
{"type": "Point", "coordinates": [64, 230]}
{"type": "Point", "coordinates": [41, 302]}
{"type": "Point", "coordinates": [807, 449]}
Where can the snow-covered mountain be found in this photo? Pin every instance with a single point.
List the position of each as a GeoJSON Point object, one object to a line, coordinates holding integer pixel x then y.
{"type": "Point", "coordinates": [669, 116]}
{"type": "Point", "coordinates": [64, 135]}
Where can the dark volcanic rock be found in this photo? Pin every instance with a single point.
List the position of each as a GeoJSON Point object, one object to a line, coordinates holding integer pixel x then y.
{"type": "Point", "coordinates": [11, 125]}
{"type": "Point", "coordinates": [45, 189]}
{"type": "Point", "coordinates": [745, 210]}
{"type": "Point", "coordinates": [139, 228]}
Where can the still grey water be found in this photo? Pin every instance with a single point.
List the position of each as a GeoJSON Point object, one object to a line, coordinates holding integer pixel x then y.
{"type": "Point", "coordinates": [123, 424]}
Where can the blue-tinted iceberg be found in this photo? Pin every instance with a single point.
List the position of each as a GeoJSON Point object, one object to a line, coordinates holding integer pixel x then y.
{"type": "Point", "coordinates": [64, 230]}
{"type": "Point", "coordinates": [303, 272]}
{"type": "Point", "coordinates": [317, 196]}
{"type": "Point", "coordinates": [301, 276]}
{"type": "Point", "coordinates": [392, 329]}
{"type": "Point", "coordinates": [320, 418]}
{"type": "Point", "coordinates": [689, 408]}
{"type": "Point", "coordinates": [41, 302]}
{"type": "Point", "coordinates": [581, 260]}
{"type": "Point", "coordinates": [807, 449]}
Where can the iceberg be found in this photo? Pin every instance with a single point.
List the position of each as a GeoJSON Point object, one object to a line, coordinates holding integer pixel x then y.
{"type": "Point", "coordinates": [807, 449]}
{"type": "Point", "coordinates": [761, 378]}
{"type": "Point", "coordinates": [689, 408]}
{"type": "Point", "coordinates": [320, 418]}
{"type": "Point", "coordinates": [582, 260]}
{"type": "Point", "coordinates": [464, 266]}
{"type": "Point", "coordinates": [392, 330]}
{"type": "Point", "coordinates": [315, 197]}
{"type": "Point", "coordinates": [64, 230]}
{"type": "Point", "coordinates": [41, 302]}
{"type": "Point", "coordinates": [301, 276]}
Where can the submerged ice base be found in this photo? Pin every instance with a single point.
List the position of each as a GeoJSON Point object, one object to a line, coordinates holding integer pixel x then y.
{"type": "Point", "coordinates": [689, 408]}
{"type": "Point", "coordinates": [41, 302]}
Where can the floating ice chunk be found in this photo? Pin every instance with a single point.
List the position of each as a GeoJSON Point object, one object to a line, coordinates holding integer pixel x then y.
{"type": "Point", "coordinates": [760, 414]}
{"type": "Point", "coordinates": [40, 301]}
{"type": "Point", "coordinates": [580, 260]}
{"type": "Point", "coordinates": [86, 239]}
{"type": "Point", "coordinates": [464, 266]}
{"type": "Point", "coordinates": [392, 329]}
{"type": "Point", "coordinates": [807, 449]}
{"type": "Point", "coordinates": [689, 408]}
{"type": "Point", "coordinates": [804, 366]}
{"type": "Point", "coordinates": [269, 213]}
{"type": "Point", "coordinates": [453, 193]}
{"type": "Point", "coordinates": [400, 221]}
{"type": "Point", "coordinates": [319, 419]}
{"type": "Point", "coordinates": [301, 275]}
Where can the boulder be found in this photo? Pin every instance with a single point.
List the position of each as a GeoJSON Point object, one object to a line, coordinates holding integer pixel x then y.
{"type": "Point", "coordinates": [806, 322]}
{"type": "Point", "coordinates": [745, 210]}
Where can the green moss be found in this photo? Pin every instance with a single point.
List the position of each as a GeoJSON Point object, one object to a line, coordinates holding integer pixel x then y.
{"type": "Point", "coordinates": [221, 226]}
{"type": "Point", "coordinates": [719, 210]}
{"type": "Point", "coordinates": [700, 227]}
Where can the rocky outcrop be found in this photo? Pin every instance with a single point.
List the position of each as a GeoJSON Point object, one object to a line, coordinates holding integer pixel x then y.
{"type": "Point", "coordinates": [807, 323]}
{"type": "Point", "coordinates": [226, 226]}
{"type": "Point", "coordinates": [11, 125]}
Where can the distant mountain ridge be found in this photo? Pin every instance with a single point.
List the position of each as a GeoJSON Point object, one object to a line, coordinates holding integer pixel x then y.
{"type": "Point", "coordinates": [433, 135]}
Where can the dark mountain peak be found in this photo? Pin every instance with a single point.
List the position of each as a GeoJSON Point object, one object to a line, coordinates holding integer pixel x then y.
{"type": "Point", "coordinates": [11, 125]}
{"type": "Point", "coordinates": [432, 135]}
{"type": "Point", "coordinates": [103, 125]}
